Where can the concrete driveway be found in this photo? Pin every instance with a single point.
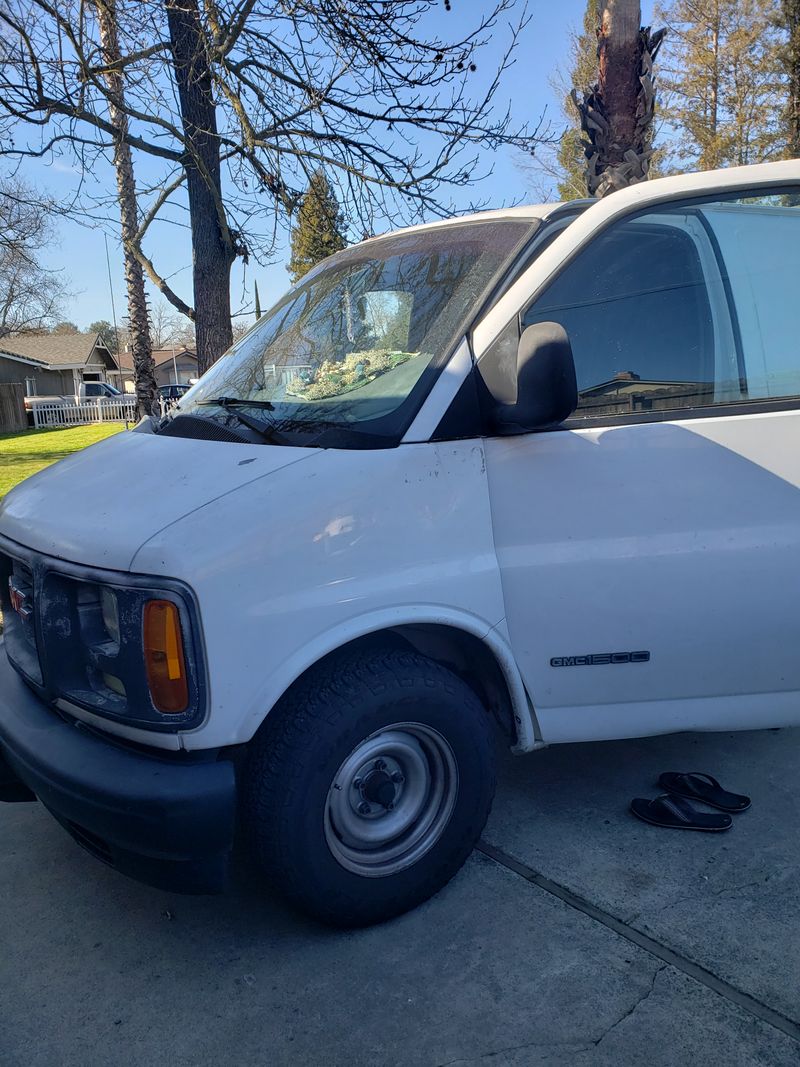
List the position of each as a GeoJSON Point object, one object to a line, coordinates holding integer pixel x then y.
{"type": "Point", "coordinates": [577, 935]}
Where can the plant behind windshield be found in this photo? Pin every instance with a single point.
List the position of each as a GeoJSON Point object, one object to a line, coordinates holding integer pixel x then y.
{"type": "Point", "coordinates": [350, 343]}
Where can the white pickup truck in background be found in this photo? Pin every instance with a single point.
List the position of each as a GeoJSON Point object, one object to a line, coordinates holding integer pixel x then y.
{"type": "Point", "coordinates": [87, 391]}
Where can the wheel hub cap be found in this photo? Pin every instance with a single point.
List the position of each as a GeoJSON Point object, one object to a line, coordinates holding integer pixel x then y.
{"type": "Point", "coordinates": [391, 799]}
{"type": "Point", "coordinates": [378, 788]}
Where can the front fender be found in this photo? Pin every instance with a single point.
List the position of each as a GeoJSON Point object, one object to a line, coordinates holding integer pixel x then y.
{"type": "Point", "coordinates": [293, 565]}
{"type": "Point", "coordinates": [388, 619]}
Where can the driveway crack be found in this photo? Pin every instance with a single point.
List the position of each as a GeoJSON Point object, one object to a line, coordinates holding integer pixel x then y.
{"type": "Point", "coordinates": [636, 1005]}
{"type": "Point", "coordinates": [657, 949]}
{"type": "Point", "coordinates": [571, 1046]}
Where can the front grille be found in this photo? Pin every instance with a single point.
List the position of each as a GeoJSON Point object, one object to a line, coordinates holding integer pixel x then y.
{"type": "Point", "coordinates": [19, 616]}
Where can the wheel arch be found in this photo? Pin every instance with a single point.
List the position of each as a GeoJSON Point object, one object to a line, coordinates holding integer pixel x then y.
{"type": "Point", "coordinates": [461, 642]}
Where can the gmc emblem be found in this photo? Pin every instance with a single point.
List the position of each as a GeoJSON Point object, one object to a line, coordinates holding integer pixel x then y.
{"type": "Point", "coordinates": [19, 601]}
{"type": "Point", "coordinates": [599, 659]}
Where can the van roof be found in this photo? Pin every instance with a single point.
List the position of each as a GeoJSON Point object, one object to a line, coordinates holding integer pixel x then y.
{"type": "Point", "coordinates": [531, 212]}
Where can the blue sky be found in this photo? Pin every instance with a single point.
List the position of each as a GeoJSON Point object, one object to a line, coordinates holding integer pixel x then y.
{"type": "Point", "coordinates": [80, 251]}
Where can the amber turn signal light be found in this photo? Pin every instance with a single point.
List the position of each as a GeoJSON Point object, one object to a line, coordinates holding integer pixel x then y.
{"type": "Point", "coordinates": [163, 657]}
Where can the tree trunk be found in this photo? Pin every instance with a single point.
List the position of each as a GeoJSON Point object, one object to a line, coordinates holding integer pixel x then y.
{"type": "Point", "coordinates": [618, 83]}
{"type": "Point", "coordinates": [143, 365]}
{"type": "Point", "coordinates": [617, 113]}
{"type": "Point", "coordinates": [213, 244]}
{"type": "Point", "coordinates": [791, 11]}
{"type": "Point", "coordinates": [714, 94]}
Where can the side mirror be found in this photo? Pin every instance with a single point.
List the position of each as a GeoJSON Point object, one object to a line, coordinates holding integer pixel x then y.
{"type": "Point", "coordinates": [547, 392]}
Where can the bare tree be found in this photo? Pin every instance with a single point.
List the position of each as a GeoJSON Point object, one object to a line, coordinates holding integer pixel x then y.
{"type": "Point", "coordinates": [168, 327]}
{"type": "Point", "coordinates": [241, 102]}
{"type": "Point", "coordinates": [162, 320]}
{"type": "Point", "coordinates": [31, 297]}
{"type": "Point", "coordinates": [617, 113]}
{"type": "Point", "coordinates": [239, 329]}
{"type": "Point", "coordinates": [144, 371]}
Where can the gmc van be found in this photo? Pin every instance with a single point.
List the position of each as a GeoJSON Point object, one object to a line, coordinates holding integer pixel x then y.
{"type": "Point", "coordinates": [535, 471]}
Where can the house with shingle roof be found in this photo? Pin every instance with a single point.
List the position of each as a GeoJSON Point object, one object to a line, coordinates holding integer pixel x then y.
{"type": "Point", "coordinates": [173, 366]}
{"type": "Point", "coordinates": [56, 364]}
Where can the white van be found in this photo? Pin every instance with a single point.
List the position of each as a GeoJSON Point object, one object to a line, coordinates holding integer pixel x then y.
{"type": "Point", "coordinates": [535, 471]}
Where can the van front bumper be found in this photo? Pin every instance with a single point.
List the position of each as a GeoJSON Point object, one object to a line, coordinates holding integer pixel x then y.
{"type": "Point", "coordinates": [158, 818]}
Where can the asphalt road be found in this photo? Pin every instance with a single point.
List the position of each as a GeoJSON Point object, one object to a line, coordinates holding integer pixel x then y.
{"type": "Point", "coordinates": [576, 936]}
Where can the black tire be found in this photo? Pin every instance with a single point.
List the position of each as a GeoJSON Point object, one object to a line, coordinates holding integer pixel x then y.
{"type": "Point", "coordinates": [300, 750]}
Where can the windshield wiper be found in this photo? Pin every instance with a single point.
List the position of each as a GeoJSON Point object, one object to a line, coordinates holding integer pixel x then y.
{"type": "Point", "coordinates": [237, 402]}
{"type": "Point", "coordinates": [332, 434]}
{"type": "Point", "coordinates": [265, 427]}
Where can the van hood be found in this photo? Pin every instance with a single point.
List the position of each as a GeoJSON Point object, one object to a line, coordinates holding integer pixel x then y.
{"type": "Point", "coordinates": [99, 506]}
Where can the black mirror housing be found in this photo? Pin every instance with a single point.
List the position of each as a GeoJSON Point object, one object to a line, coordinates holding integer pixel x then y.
{"type": "Point", "coordinates": [547, 391]}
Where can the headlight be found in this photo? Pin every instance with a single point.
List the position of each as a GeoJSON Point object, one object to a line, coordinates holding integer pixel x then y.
{"type": "Point", "coordinates": [110, 611]}
{"type": "Point", "coordinates": [124, 647]}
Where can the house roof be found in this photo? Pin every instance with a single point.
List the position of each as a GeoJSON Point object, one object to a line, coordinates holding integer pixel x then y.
{"type": "Point", "coordinates": [53, 349]}
{"type": "Point", "coordinates": [622, 383]}
{"type": "Point", "coordinates": [160, 356]}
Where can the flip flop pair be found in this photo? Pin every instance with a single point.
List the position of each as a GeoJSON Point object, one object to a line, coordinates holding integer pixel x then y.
{"type": "Point", "coordinates": [672, 809]}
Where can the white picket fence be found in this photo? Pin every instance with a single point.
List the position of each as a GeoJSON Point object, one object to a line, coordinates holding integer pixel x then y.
{"type": "Point", "coordinates": [63, 413]}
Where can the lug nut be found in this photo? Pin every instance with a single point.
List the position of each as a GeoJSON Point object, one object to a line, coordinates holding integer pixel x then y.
{"type": "Point", "coordinates": [364, 808]}
{"type": "Point", "coordinates": [380, 765]}
{"type": "Point", "coordinates": [356, 783]}
{"type": "Point", "coordinates": [397, 777]}
{"type": "Point", "coordinates": [390, 807]}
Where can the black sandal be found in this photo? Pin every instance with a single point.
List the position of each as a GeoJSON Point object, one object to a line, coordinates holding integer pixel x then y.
{"type": "Point", "coordinates": [676, 814]}
{"type": "Point", "coordinates": [695, 785]}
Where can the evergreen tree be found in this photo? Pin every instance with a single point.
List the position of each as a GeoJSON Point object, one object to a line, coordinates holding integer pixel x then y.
{"type": "Point", "coordinates": [582, 73]}
{"type": "Point", "coordinates": [319, 230]}
{"type": "Point", "coordinates": [723, 70]}
{"type": "Point", "coordinates": [791, 62]}
{"type": "Point", "coordinates": [107, 333]}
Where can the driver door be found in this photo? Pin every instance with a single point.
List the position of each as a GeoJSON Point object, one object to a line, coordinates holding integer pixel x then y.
{"type": "Point", "coordinates": [650, 547]}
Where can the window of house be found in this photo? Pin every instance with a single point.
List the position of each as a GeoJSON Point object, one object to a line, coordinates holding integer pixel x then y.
{"type": "Point", "coordinates": [30, 387]}
{"type": "Point", "coordinates": [684, 308]}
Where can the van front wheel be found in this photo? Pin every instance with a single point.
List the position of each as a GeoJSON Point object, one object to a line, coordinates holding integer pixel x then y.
{"type": "Point", "coordinates": [367, 788]}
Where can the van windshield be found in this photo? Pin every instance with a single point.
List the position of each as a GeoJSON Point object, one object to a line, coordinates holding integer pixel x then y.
{"type": "Point", "coordinates": [357, 344]}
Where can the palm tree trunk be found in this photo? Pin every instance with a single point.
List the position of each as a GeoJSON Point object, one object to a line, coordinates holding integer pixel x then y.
{"type": "Point", "coordinates": [143, 365]}
{"type": "Point", "coordinates": [617, 112]}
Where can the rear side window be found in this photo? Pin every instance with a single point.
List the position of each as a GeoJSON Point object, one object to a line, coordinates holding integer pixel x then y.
{"type": "Point", "coordinates": [684, 308]}
{"type": "Point", "coordinates": [759, 242]}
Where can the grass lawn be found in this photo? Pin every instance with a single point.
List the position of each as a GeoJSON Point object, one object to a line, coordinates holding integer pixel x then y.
{"type": "Point", "coordinates": [23, 454]}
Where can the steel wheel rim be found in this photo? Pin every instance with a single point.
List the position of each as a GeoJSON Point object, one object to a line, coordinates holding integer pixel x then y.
{"type": "Point", "coordinates": [391, 799]}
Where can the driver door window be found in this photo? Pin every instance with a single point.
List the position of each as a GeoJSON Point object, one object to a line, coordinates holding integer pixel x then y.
{"type": "Point", "coordinates": [683, 309]}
